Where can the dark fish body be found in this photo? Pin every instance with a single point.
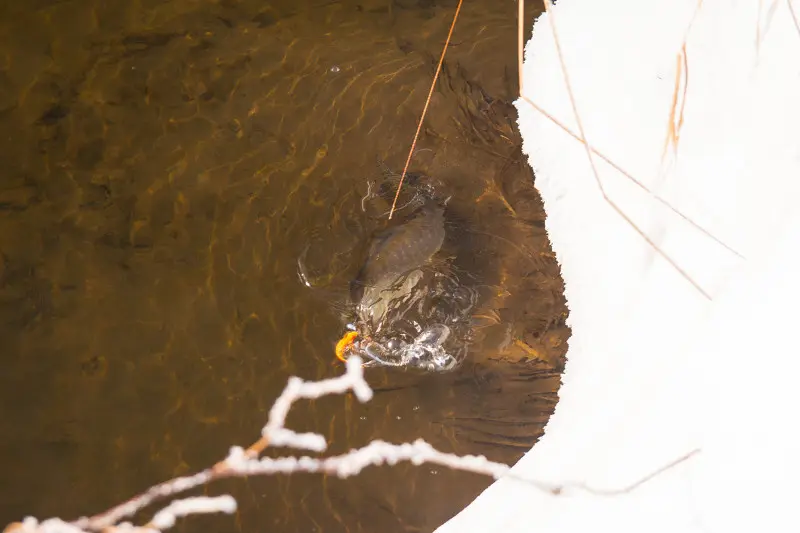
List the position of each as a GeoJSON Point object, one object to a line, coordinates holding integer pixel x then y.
{"type": "Point", "coordinates": [394, 252]}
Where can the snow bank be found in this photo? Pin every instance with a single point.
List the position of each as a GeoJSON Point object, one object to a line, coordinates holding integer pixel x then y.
{"type": "Point", "coordinates": [657, 369]}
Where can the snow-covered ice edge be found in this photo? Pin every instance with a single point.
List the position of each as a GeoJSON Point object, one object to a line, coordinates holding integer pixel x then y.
{"type": "Point", "coordinates": [655, 369]}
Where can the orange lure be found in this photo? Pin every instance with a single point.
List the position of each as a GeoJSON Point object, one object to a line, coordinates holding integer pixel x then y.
{"type": "Point", "coordinates": [344, 343]}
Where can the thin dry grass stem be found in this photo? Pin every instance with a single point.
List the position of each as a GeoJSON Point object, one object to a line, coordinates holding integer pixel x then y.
{"type": "Point", "coordinates": [633, 486]}
{"type": "Point", "coordinates": [676, 114]}
{"type": "Point", "coordinates": [425, 109]}
{"type": "Point", "coordinates": [681, 75]}
{"type": "Point", "coordinates": [761, 33]}
{"type": "Point", "coordinates": [520, 40]}
{"type": "Point", "coordinates": [691, 22]}
{"type": "Point", "coordinates": [758, 27]}
{"type": "Point", "coordinates": [794, 16]}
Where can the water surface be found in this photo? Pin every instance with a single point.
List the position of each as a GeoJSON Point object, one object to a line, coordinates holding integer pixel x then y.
{"type": "Point", "coordinates": [165, 163]}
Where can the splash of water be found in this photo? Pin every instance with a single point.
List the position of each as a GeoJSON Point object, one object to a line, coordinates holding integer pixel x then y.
{"type": "Point", "coordinates": [422, 322]}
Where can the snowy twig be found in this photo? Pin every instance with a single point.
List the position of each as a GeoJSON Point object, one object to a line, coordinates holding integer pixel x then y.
{"type": "Point", "coordinates": [241, 462]}
{"type": "Point", "coordinates": [375, 453]}
{"type": "Point", "coordinates": [246, 462]}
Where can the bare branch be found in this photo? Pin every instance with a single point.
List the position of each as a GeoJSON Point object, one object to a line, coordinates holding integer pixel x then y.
{"type": "Point", "coordinates": [242, 462]}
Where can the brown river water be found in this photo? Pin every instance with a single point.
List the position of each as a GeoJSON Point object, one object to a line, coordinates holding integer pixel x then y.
{"type": "Point", "coordinates": [164, 165]}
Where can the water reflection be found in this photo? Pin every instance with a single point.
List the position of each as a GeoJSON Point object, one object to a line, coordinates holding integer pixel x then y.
{"type": "Point", "coordinates": [167, 165]}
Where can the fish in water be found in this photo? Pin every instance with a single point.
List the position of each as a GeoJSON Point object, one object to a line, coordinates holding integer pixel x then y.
{"type": "Point", "coordinates": [404, 309]}
{"type": "Point", "coordinates": [389, 294]}
{"type": "Point", "coordinates": [391, 269]}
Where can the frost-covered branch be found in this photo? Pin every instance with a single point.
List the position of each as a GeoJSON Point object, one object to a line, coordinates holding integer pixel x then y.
{"type": "Point", "coordinates": [241, 462]}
